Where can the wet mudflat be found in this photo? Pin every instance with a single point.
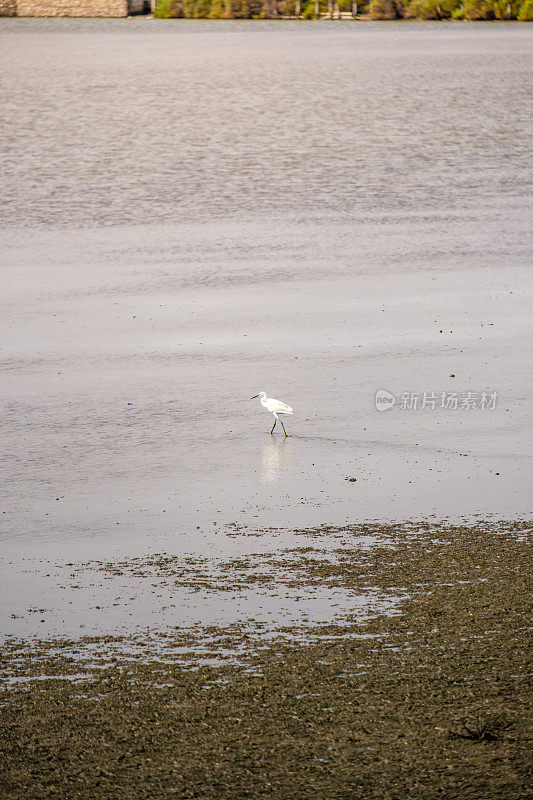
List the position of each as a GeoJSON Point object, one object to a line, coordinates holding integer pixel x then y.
{"type": "Point", "coordinates": [432, 700]}
{"type": "Point", "coordinates": [194, 213]}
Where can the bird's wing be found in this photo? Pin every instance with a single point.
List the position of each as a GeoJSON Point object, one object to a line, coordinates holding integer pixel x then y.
{"type": "Point", "coordinates": [279, 408]}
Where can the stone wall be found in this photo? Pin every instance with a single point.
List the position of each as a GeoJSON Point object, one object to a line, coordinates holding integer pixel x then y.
{"type": "Point", "coordinates": [74, 8]}
{"type": "Point", "coordinates": [71, 8]}
{"type": "Point", "coordinates": [8, 8]}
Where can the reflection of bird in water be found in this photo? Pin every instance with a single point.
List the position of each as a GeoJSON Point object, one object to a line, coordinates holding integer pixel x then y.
{"type": "Point", "coordinates": [275, 457]}
{"type": "Point", "coordinates": [275, 407]}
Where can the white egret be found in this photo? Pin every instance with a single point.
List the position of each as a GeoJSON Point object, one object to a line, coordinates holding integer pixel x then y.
{"type": "Point", "coordinates": [275, 407]}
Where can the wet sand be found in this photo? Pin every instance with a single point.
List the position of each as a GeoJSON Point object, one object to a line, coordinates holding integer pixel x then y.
{"type": "Point", "coordinates": [128, 427]}
{"type": "Point", "coordinates": [366, 243]}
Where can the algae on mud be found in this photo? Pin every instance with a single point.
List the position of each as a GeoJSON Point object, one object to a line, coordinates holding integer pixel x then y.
{"type": "Point", "coordinates": [428, 703]}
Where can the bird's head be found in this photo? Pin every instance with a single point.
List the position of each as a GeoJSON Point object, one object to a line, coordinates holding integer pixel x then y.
{"type": "Point", "coordinates": [262, 395]}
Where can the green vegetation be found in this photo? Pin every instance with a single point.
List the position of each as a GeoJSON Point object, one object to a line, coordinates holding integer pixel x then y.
{"type": "Point", "coordinates": [452, 9]}
{"type": "Point", "coordinates": [163, 9]}
{"type": "Point", "coordinates": [431, 9]}
{"type": "Point", "coordinates": [526, 11]}
{"type": "Point", "coordinates": [376, 9]}
{"type": "Point", "coordinates": [235, 9]}
{"type": "Point", "coordinates": [308, 9]}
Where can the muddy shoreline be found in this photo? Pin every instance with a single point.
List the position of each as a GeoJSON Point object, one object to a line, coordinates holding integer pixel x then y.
{"type": "Point", "coordinates": [428, 702]}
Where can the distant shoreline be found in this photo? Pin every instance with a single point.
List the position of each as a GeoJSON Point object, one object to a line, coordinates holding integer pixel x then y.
{"type": "Point", "coordinates": [282, 10]}
{"type": "Point", "coordinates": [280, 18]}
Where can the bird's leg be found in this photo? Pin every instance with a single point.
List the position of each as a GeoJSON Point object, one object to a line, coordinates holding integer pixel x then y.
{"type": "Point", "coordinates": [283, 426]}
{"type": "Point", "coordinates": [274, 425]}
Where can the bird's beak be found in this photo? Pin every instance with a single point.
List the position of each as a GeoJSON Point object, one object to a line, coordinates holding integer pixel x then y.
{"type": "Point", "coordinates": [253, 398]}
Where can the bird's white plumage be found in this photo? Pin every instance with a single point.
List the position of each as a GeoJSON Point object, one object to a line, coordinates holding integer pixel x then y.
{"type": "Point", "coordinates": [272, 405]}
{"type": "Point", "coordinates": [275, 407]}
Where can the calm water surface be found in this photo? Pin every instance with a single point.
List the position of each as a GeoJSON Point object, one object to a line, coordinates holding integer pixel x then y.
{"type": "Point", "coordinates": [193, 212]}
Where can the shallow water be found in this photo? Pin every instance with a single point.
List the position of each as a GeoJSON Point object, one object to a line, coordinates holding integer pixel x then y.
{"type": "Point", "coordinates": [194, 212]}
